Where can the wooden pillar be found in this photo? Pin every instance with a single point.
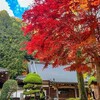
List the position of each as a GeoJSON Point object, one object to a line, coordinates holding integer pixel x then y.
{"type": "Point", "coordinates": [57, 94]}
{"type": "Point", "coordinates": [76, 95]}
{"type": "Point", "coordinates": [49, 90]}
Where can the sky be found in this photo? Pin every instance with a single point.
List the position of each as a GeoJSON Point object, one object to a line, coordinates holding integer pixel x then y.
{"type": "Point", "coordinates": [15, 7]}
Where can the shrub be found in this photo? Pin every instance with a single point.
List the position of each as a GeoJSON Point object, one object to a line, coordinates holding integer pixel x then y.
{"type": "Point", "coordinates": [33, 83]}
{"type": "Point", "coordinates": [73, 99]}
{"type": "Point", "coordinates": [92, 79]}
{"type": "Point", "coordinates": [27, 86]}
{"type": "Point", "coordinates": [30, 92]}
{"type": "Point", "coordinates": [31, 86]}
{"type": "Point", "coordinates": [8, 88]}
{"type": "Point", "coordinates": [33, 78]}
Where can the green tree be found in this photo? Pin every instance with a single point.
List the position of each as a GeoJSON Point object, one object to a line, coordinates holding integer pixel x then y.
{"type": "Point", "coordinates": [8, 88]}
{"type": "Point", "coordinates": [33, 83]}
{"type": "Point", "coordinates": [10, 40]}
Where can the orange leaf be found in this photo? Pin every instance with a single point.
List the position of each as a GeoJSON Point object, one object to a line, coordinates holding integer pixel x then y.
{"type": "Point", "coordinates": [96, 2]}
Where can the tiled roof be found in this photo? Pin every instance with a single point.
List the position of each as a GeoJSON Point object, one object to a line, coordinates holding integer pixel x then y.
{"type": "Point", "coordinates": [53, 74]}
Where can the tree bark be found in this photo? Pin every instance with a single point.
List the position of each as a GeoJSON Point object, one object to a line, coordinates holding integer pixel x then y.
{"type": "Point", "coordinates": [82, 90]}
{"type": "Point", "coordinates": [98, 79]}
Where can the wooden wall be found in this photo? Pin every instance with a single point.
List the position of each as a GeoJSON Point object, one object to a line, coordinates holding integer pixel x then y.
{"type": "Point", "coordinates": [62, 92]}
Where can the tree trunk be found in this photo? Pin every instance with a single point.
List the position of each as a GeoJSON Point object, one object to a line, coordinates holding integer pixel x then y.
{"type": "Point", "coordinates": [82, 90]}
{"type": "Point", "coordinates": [98, 79]}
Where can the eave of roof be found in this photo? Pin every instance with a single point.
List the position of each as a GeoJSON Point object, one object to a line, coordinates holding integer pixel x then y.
{"type": "Point", "coordinates": [3, 69]}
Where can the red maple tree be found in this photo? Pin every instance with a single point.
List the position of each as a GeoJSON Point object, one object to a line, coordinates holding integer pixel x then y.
{"type": "Point", "coordinates": [65, 32]}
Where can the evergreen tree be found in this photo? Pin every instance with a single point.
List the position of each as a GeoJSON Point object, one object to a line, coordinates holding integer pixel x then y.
{"type": "Point", "coordinates": [10, 40]}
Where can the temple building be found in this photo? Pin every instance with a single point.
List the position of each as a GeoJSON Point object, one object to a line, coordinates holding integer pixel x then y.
{"type": "Point", "coordinates": [57, 83]}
